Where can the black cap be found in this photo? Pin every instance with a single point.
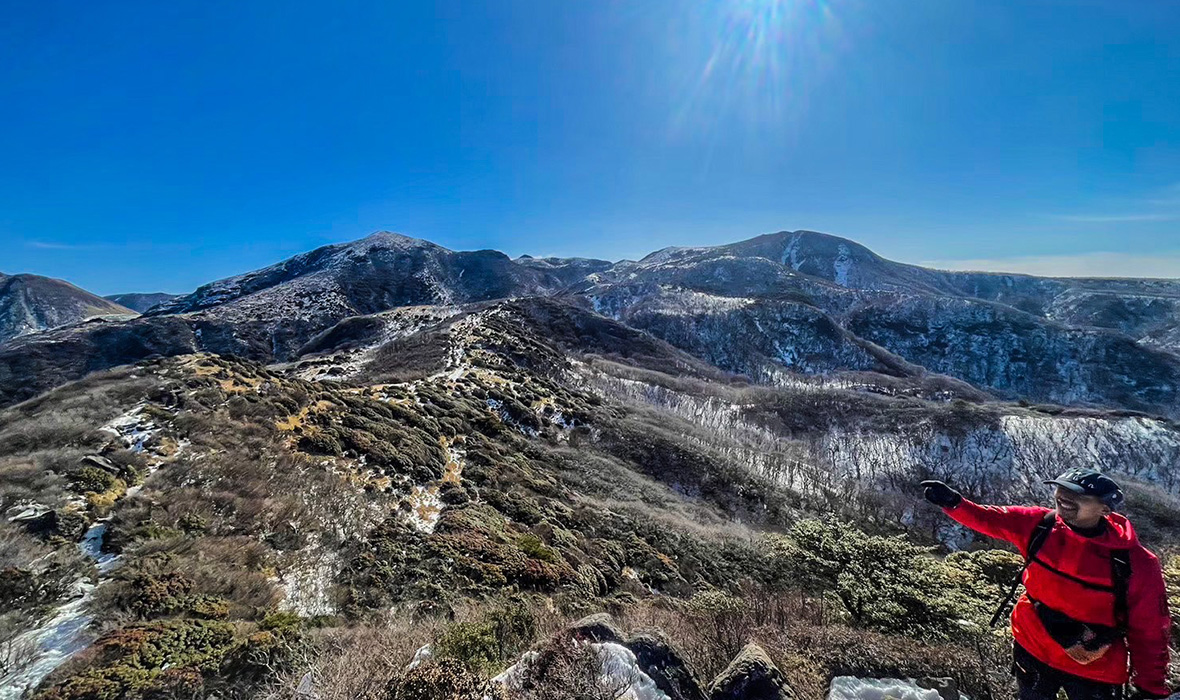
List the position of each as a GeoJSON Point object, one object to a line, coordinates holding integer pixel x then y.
{"type": "Point", "coordinates": [1088, 482]}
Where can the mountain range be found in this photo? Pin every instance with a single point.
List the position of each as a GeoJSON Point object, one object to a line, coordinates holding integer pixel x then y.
{"type": "Point", "coordinates": [384, 470]}
{"type": "Point", "coordinates": [767, 308]}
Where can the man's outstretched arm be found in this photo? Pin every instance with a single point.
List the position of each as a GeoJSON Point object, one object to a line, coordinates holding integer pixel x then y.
{"type": "Point", "coordinates": [1009, 523]}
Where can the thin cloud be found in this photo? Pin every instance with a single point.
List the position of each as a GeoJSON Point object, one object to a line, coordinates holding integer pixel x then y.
{"type": "Point", "coordinates": [1164, 265]}
{"type": "Point", "coordinates": [1160, 204]}
{"type": "Point", "coordinates": [1113, 218]}
{"type": "Point", "coordinates": [49, 245]}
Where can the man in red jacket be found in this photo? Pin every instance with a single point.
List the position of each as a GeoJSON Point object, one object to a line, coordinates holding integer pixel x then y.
{"type": "Point", "coordinates": [1083, 612]}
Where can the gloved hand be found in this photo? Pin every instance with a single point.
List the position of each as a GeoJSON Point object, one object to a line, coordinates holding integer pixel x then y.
{"type": "Point", "coordinates": [940, 494]}
{"type": "Point", "coordinates": [1138, 693]}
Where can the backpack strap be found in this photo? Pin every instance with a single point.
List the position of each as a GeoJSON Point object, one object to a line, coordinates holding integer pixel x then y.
{"type": "Point", "coordinates": [1039, 534]}
{"type": "Point", "coordinates": [1120, 576]}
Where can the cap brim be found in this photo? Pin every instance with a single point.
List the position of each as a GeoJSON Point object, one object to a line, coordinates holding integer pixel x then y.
{"type": "Point", "coordinates": [1080, 490]}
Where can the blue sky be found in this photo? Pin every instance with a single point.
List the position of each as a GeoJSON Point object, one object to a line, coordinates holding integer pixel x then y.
{"type": "Point", "coordinates": [158, 145]}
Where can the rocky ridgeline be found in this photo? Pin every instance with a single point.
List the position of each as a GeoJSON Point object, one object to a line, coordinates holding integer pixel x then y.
{"type": "Point", "coordinates": [789, 303]}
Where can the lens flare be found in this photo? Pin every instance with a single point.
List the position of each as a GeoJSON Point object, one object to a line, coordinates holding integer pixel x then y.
{"type": "Point", "coordinates": [763, 60]}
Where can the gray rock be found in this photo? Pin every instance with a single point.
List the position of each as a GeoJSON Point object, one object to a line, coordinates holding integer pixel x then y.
{"type": "Point", "coordinates": [100, 462]}
{"type": "Point", "coordinates": [597, 628]}
{"type": "Point", "coordinates": [26, 512]}
{"type": "Point", "coordinates": [670, 671]}
{"type": "Point", "coordinates": [947, 688]}
{"type": "Point", "coordinates": [751, 676]}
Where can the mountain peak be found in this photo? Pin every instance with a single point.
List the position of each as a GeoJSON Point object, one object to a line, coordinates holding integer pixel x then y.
{"type": "Point", "coordinates": [393, 240]}
{"type": "Point", "coordinates": [31, 303]}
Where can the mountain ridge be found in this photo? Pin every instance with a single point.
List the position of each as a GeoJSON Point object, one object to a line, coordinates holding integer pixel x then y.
{"type": "Point", "coordinates": [765, 307]}
{"type": "Point", "coordinates": [33, 303]}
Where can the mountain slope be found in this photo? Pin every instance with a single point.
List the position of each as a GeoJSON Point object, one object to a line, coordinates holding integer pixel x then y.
{"type": "Point", "coordinates": [242, 523]}
{"type": "Point", "coordinates": [140, 302]}
{"type": "Point", "coordinates": [773, 308]}
{"type": "Point", "coordinates": [30, 303]}
{"type": "Point", "coordinates": [275, 310]}
{"type": "Point", "coordinates": [1016, 336]}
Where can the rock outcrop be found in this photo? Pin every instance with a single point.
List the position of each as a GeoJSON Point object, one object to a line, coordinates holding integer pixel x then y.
{"type": "Point", "coordinates": [598, 628]}
{"type": "Point", "coordinates": [751, 676]}
{"type": "Point", "coordinates": [670, 671]}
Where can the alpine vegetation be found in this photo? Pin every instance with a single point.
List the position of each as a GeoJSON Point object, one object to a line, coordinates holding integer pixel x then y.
{"type": "Point", "coordinates": [392, 471]}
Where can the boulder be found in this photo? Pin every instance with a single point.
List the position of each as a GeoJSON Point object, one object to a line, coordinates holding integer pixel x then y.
{"type": "Point", "coordinates": [669, 670]}
{"type": "Point", "coordinates": [36, 519]}
{"type": "Point", "coordinates": [751, 676]}
{"type": "Point", "coordinates": [26, 512]}
{"type": "Point", "coordinates": [597, 628]}
{"type": "Point", "coordinates": [947, 688]}
{"type": "Point", "coordinates": [100, 462]}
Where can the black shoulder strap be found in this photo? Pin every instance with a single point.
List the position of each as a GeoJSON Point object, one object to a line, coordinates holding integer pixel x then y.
{"type": "Point", "coordinates": [1120, 575]}
{"type": "Point", "coordinates": [1039, 534]}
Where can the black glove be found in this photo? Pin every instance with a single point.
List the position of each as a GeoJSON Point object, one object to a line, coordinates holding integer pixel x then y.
{"type": "Point", "coordinates": [940, 494]}
{"type": "Point", "coordinates": [1138, 693]}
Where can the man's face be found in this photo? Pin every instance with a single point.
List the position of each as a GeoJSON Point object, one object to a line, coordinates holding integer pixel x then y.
{"type": "Point", "coordinates": [1079, 510]}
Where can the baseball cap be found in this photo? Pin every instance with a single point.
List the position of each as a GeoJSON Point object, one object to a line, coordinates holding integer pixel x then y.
{"type": "Point", "coordinates": [1090, 482]}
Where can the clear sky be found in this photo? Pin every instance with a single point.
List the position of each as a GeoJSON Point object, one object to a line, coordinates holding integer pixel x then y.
{"type": "Point", "coordinates": [158, 145]}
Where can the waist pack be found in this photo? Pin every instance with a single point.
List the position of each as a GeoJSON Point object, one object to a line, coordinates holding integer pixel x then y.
{"type": "Point", "coordinates": [1084, 642]}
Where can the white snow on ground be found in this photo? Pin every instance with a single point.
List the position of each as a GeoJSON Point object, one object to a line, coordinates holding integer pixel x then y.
{"type": "Point", "coordinates": [1005, 460]}
{"type": "Point", "coordinates": [791, 252]}
{"type": "Point", "coordinates": [512, 676]}
{"type": "Point", "coordinates": [307, 587]}
{"type": "Point", "coordinates": [425, 504]}
{"type": "Point", "coordinates": [91, 546]}
{"type": "Point", "coordinates": [68, 631]}
{"type": "Point", "coordinates": [621, 670]}
{"type": "Point", "coordinates": [133, 428]}
{"type": "Point", "coordinates": [851, 688]}
{"type": "Point", "coordinates": [1019, 453]}
{"type": "Point", "coordinates": [63, 635]}
{"type": "Point", "coordinates": [842, 265]}
{"type": "Point", "coordinates": [620, 674]}
{"type": "Point", "coordinates": [55, 640]}
{"type": "Point", "coordinates": [424, 653]}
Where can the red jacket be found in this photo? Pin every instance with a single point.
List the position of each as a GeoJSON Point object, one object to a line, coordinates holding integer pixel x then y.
{"type": "Point", "coordinates": [1088, 559]}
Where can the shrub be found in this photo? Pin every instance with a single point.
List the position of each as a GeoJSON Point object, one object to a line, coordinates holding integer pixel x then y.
{"type": "Point", "coordinates": [532, 546]}
{"type": "Point", "coordinates": [130, 662]}
{"type": "Point", "coordinates": [445, 679]}
{"type": "Point", "coordinates": [883, 583]}
{"type": "Point", "coordinates": [91, 480]}
{"type": "Point", "coordinates": [563, 669]}
{"type": "Point", "coordinates": [489, 643]}
{"type": "Point", "coordinates": [318, 442]}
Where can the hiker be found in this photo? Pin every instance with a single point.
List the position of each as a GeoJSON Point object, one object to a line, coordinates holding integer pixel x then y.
{"type": "Point", "coordinates": [1093, 594]}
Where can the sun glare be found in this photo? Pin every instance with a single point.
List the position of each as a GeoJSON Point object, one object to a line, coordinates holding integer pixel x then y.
{"type": "Point", "coordinates": [761, 59]}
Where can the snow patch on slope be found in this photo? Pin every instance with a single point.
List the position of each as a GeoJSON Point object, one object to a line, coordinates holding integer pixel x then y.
{"type": "Point", "coordinates": [842, 265]}
{"type": "Point", "coordinates": [619, 675]}
{"type": "Point", "coordinates": [66, 633]}
{"type": "Point", "coordinates": [851, 688]}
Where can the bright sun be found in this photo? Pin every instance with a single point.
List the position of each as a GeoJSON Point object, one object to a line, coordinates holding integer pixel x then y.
{"type": "Point", "coordinates": [763, 57]}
